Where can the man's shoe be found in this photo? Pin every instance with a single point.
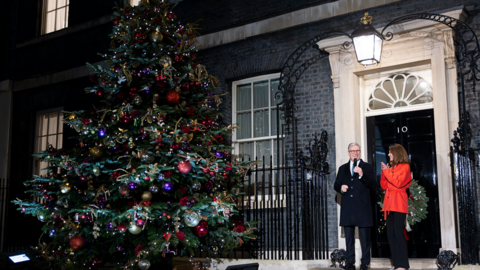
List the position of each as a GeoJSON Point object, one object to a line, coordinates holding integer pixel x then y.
{"type": "Point", "coordinates": [349, 266]}
{"type": "Point", "coordinates": [363, 267]}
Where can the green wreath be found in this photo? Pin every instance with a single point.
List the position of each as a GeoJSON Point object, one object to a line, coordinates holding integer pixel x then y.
{"type": "Point", "coordinates": [417, 204]}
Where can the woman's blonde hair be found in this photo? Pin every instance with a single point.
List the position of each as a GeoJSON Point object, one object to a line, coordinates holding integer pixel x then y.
{"type": "Point", "coordinates": [399, 154]}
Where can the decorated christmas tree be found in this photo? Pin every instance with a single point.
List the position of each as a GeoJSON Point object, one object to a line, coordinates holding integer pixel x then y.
{"type": "Point", "coordinates": [151, 173]}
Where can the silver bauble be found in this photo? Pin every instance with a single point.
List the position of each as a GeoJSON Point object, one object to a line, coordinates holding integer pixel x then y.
{"type": "Point", "coordinates": [191, 220]}
{"type": "Point", "coordinates": [143, 264]}
{"type": "Point", "coordinates": [134, 229]}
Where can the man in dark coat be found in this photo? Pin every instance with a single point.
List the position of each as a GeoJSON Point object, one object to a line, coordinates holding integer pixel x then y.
{"type": "Point", "coordinates": [354, 182]}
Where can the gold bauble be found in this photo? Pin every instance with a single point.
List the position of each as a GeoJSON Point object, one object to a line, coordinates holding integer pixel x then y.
{"type": "Point", "coordinates": [96, 152]}
{"type": "Point", "coordinates": [65, 188]}
{"type": "Point", "coordinates": [146, 196]}
{"type": "Point", "coordinates": [156, 36]}
{"type": "Point", "coordinates": [134, 229]}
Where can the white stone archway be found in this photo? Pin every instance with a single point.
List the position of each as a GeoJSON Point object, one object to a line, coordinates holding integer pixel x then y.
{"type": "Point", "coordinates": [416, 44]}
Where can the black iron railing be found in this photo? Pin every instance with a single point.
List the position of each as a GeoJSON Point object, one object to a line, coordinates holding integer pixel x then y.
{"type": "Point", "coordinates": [291, 204]}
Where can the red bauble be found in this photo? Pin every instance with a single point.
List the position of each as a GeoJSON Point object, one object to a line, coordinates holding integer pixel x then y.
{"type": "Point", "coordinates": [184, 167]}
{"type": "Point", "coordinates": [171, 15]}
{"type": "Point", "coordinates": [77, 242]}
{"type": "Point", "coordinates": [116, 21]}
{"type": "Point", "coordinates": [173, 97]}
{"type": "Point", "coordinates": [201, 229]}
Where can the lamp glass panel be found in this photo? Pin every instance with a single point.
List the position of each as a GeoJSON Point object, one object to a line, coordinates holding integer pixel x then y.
{"type": "Point", "coordinates": [363, 47]}
{"type": "Point", "coordinates": [378, 48]}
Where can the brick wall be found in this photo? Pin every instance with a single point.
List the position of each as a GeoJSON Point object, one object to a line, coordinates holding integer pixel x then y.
{"type": "Point", "coordinates": [214, 15]}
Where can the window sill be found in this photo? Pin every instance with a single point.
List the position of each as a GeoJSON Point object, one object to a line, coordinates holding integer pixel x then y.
{"type": "Point", "coordinates": [66, 31]}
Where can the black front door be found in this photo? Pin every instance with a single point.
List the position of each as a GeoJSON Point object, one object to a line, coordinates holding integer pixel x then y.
{"type": "Point", "coordinates": [416, 132]}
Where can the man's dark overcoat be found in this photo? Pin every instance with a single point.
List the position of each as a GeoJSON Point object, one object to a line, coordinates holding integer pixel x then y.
{"type": "Point", "coordinates": [356, 206]}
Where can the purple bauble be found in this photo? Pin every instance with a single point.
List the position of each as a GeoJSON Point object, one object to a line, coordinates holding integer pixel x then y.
{"type": "Point", "coordinates": [102, 132]}
{"type": "Point", "coordinates": [132, 185]}
{"type": "Point", "coordinates": [167, 186]}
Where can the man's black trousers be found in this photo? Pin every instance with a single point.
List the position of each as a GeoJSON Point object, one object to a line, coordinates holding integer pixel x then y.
{"type": "Point", "coordinates": [365, 241]}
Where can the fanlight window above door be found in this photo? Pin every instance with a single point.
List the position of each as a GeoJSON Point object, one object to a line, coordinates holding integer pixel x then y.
{"type": "Point", "coordinates": [400, 90]}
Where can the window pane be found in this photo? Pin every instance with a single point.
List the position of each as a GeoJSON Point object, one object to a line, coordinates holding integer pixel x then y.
{"type": "Point", "coordinates": [52, 139]}
{"type": "Point", "coordinates": [59, 141]}
{"type": "Point", "coordinates": [264, 151]}
{"type": "Point", "coordinates": [60, 18]}
{"type": "Point", "coordinates": [42, 125]}
{"type": "Point", "coordinates": [50, 4]}
{"type": "Point", "coordinates": [273, 90]}
{"type": "Point", "coordinates": [244, 97]}
{"type": "Point", "coordinates": [41, 144]}
{"type": "Point", "coordinates": [50, 24]}
{"type": "Point", "coordinates": [246, 151]}
{"type": "Point", "coordinates": [135, 2]}
{"type": "Point", "coordinates": [52, 125]}
{"type": "Point", "coordinates": [244, 121]}
{"type": "Point", "coordinates": [60, 122]}
{"type": "Point", "coordinates": [261, 125]}
{"type": "Point", "coordinates": [260, 94]}
{"type": "Point", "coordinates": [61, 3]}
{"type": "Point", "coordinates": [42, 166]}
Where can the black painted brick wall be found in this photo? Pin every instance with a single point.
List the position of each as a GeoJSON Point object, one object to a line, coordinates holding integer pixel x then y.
{"type": "Point", "coordinates": [214, 15]}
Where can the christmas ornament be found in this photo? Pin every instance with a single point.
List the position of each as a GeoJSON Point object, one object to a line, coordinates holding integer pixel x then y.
{"type": "Point", "coordinates": [191, 219]}
{"type": "Point", "coordinates": [77, 242]}
{"type": "Point", "coordinates": [65, 188]}
{"type": "Point", "coordinates": [146, 196]}
{"type": "Point", "coordinates": [119, 249]}
{"type": "Point", "coordinates": [172, 97]}
{"type": "Point", "coordinates": [132, 185]}
{"type": "Point", "coordinates": [184, 166]}
{"type": "Point", "coordinates": [143, 264]}
{"type": "Point", "coordinates": [96, 152]}
{"type": "Point", "coordinates": [154, 189]}
{"type": "Point", "coordinates": [102, 132]}
{"type": "Point", "coordinates": [134, 229]}
{"type": "Point", "coordinates": [156, 36]}
{"type": "Point", "coordinates": [167, 186]}
{"type": "Point", "coordinates": [201, 229]}
{"type": "Point", "coordinates": [41, 217]}
{"type": "Point", "coordinates": [140, 222]}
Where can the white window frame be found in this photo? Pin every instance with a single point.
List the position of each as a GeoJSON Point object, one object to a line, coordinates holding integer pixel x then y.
{"type": "Point", "coordinates": [56, 11]}
{"type": "Point", "coordinates": [36, 162]}
{"type": "Point", "coordinates": [271, 137]}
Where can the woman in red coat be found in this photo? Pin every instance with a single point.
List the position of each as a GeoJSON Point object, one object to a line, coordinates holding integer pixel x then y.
{"type": "Point", "coordinates": [395, 179]}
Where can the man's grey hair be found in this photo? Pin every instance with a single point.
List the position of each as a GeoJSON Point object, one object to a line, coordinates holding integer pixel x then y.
{"type": "Point", "coordinates": [352, 144]}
